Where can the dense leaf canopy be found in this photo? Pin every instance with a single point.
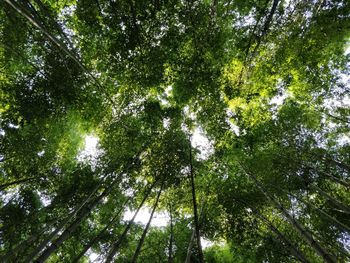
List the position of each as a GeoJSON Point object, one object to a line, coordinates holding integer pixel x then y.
{"type": "Point", "coordinates": [225, 121]}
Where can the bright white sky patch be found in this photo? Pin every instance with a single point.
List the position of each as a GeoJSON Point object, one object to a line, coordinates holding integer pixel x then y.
{"type": "Point", "coordinates": [230, 121]}
{"type": "Point", "coordinates": [206, 243]}
{"type": "Point", "coordinates": [91, 150]}
{"type": "Point", "coordinates": [279, 99]}
{"type": "Point", "coordinates": [91, 144]}
{"type": "Point", "coordinates": [201, 142]}
{"type": "Point", "coordinates": [94, 257]}
{"type": "Point", "coordinates": [164, 98]}
{"type": "Point", "coordinates": [347, 50]}
{"type": "Point", "coordinates": [160, 219]}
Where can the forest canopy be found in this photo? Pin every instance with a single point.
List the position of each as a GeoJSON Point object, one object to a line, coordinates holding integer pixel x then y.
{"type": "Point", "coordinates": [174, 131]}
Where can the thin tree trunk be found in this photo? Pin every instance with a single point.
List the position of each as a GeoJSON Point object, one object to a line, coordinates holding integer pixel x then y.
{"type": "Point", "coordinates": [292, 248]}
{"type": "Point", "coordinates": [142, 239]}
{"type": "Point", "coordinates": [45, 242]}
{"type": "Point", "coordinates": [327, 257]}
{"type": "Point", "coordinates": [332, 177]}
{"type": "Point", "coordinates": [340, 164]}
{"type": "Point", "coordinates": [4, 186]}
{"type": "Point", "coordinates": [74, 213]}
{"type": "Point", "coordinates": [71, 228]}
{"type": "Point", "coordinates": [39, 26]}
{"type": "Point", "coordinates": [331, 161]}
{"type": "Point", "coordinates": [114, 248]}
{"type": "Point", "coordinates": [337, 118]}
{"type": "Point", "coordinates": [47, 13]}
{"type": "Point", "coordinates": [13, 255]}
{"type": "Point", "coordinates": [344, 227]}
{"type": "Point", "coordinates": [170, 249]}
{"type": "Point", "coordinates": [53, 39]}
{"type": "Point", "coordinates": [267, 24]}
{"type": "Point", "coordinates": [336, 179]}
{"type": "Point", "coordinates": [189, 248]}
{"type": "Point", "coordinates": [100, 234]}
{"type": "Point", "coordinates": [195, 212]}
{"type": "Point", "coordinates": [340, 205]}
{"type": "Point", "coordinates": [190, 244]}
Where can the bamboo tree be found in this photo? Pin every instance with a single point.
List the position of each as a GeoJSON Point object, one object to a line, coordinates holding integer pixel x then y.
{"type": "Point", "coordinates": [196, 223]}
{"type": "Point", "coordinates": [320, 211]}
{"type": "Point", "coordinates": [53, 39]}
{"type": "Point", "coordinates": [14, 253]}
{"type": "Point", "coordinates": [170, 248]}
{"type": "Point", "coordinates": [266, 25]}
{"type": "Point", "coordinates": [142, 239]}
{"type": "Point", "coordinates": [100, 234]}
{"type": "Point", "coordinates": [70, 229]}
{"type": "Point", "coordinates": [331, 161]}
{"type": "Point", "coordinates": [19, 181]}
{"type": "Point", "coordinates": [331, 177]}
{"type": "Point", "coordinates": [190, 244]}
{"type": "Point", "coordinates": [115, 246]}
{"type": "Point", "coordinates": [305, 234]}
{"type": "Point", "coordinates": [63, 223]}
{"type": "Point", "coordinates": [170, 60]}
{"type": "Point", "coordinates": [339, 204]}
{"type": "Point", "coordinates": [74, 213]}
{"type": "Point", "coordinates": [47, 14]}
{"type": "Point", "coordinates": [291, 247]}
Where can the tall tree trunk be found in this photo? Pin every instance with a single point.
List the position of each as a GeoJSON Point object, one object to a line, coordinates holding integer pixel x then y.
{"type": "Point", "coordinates": [142, 239]}
{"type": "Point", "coordinates": [347, 121]}
{"type": "Point", "coordinates": [340, 205]}
{"type": "Point", "coordinates": [331, 161]}
{"type": "Point", "coordinates": [53, 39]}
{"type": "Point", "coordinates": [13, 255]}
{"type": "Point", "coordinates": [320, 211]}
{"type": "Point", "coordinates": [46, 241]}
{"type": "Point", "coordinates": [340, 164]}
{"type": "Point", "coordinates": [114, 248]}
{"type": "Point", "coordinates": [190, 244]}
{"type": "Point", "coordinates": [267, 24]}
{"type": "Point", "coordinates": [39, 26]}
{"type": "Point", "coordinates": [48, 14]}
{"type": "Point", "coordinates": [331, 177]}
{"type": "Point", "coordinates": [72, 227]}
{"type": "Point", "coordinates": [170, 249]}
{"type": "Point", "coordinates": [23, 180]}
{"type": "Point", "coordinates": [195, 212]}
{"type": "Point", "coordinates": [331, 218]}
{"type": "Point", "coordinates": [336, 179]}
{"type": "Point", "coordinates": [43, 244]}
{"type": "Point", "coordinates": [291, 247]}
{"type": "Point", "coordinates": [100, 234]}
{"type": "Point", "coordinates": [305, 234]}
{"type": "Point", "coordinates": [189, 248]}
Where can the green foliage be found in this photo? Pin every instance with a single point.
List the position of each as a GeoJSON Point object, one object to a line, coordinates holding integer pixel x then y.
{"type": "Point", "coordinates": [266, 82]}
